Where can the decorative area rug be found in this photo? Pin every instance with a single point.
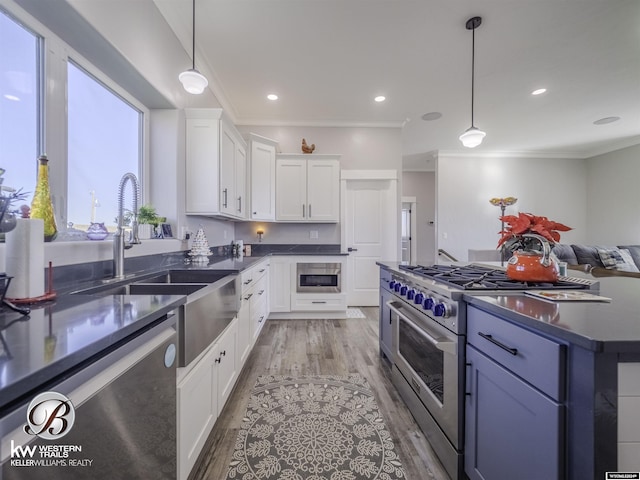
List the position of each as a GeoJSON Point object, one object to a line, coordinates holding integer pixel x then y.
{"type": "Point", "coordinates": [324, 427]}
{"type": "Point", "coordinates": [355, 313]}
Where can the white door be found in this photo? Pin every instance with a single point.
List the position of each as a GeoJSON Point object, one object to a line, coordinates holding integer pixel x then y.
{"type": "Point", "coordinates": [369, 230]}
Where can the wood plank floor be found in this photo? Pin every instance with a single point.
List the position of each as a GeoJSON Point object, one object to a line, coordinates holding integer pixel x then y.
{"type": "Point", "coordinates": [324, 347]}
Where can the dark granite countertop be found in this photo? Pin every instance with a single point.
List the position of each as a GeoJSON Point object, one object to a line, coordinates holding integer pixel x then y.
{"type": "Point", "coordinates": [598, 326]}
{"type": "Point", "coordinates": [55, 340]}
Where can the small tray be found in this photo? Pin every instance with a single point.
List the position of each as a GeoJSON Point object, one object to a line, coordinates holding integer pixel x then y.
{"type": "Point", "coordinates": [566, 296]}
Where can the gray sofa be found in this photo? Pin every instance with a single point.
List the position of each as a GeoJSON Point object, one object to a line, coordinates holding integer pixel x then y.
{"type": "Point", "coordinates": [594, 254]}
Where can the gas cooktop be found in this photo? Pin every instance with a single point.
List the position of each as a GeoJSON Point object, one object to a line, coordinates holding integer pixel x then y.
{"type": "Point", "coordinates": [477, 277]}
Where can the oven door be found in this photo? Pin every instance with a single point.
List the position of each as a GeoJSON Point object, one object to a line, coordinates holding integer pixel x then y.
{"type": "Point", "coordinates": [427, 355]}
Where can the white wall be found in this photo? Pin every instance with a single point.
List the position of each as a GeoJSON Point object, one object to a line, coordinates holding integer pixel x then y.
{"type": "Point", "coordinates": [360, 148]}
{"type": "Point", "coordinates": [555, 188]}
{"type": "Point", "coordinates": [422, 186]}
{"type": "Point", "coordinates": [613, 201]}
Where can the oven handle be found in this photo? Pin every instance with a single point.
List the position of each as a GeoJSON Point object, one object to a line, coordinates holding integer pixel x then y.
{"type": "Point", "coordinates": [441, 343]}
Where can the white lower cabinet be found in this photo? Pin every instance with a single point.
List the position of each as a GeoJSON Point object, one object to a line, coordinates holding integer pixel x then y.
{"type": "Point", "coordinates": [287, 302]}
{"type": "Point", "coordinates": [280, 282]}
{"type": "Point", "coordinates": [201, 394]}
{"type": "Point", "coordinates": [254, 307]}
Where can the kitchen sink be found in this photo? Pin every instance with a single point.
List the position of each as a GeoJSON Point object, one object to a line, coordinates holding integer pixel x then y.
{"type": "Point", "coordinates": [144, 289]}
{"type": "Point", "coordinates": [187, 276]}
{"type": "Point", "coordinates": [213, 301]}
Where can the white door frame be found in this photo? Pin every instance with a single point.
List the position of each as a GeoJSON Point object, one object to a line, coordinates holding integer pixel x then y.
{"type": "Point", "coordinates": [414, 227]}
{"type": "Point", "coordinates": [392, 238]}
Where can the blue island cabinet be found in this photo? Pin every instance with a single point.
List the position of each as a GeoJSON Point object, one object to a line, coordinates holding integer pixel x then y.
{"type": "Point", "coordinates": [515, 401]}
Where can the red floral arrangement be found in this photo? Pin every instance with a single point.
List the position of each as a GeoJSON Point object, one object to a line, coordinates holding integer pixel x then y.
{"type": "Point", "coordinates": [511, 236]}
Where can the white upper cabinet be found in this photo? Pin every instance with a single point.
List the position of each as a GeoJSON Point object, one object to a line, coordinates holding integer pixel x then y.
{"type": "Point", "coordinates": [215, 165]}
{"type": "Point", "coordinates": [308, 189]}
{"type": "Point", "coordinates": [263, 177]}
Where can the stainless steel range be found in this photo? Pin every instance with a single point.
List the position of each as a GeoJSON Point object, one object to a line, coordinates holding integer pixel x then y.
{"type": "Point", "coordinates": [427, 318]}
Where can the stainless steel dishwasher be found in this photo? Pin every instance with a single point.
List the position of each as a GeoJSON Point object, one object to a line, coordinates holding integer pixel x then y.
{"type": "Point", "coordinates": [125, 418]}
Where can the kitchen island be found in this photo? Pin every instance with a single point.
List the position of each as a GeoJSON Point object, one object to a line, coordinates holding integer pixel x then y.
{"type": "Point", "coordinates": [549, 389]}
{"type": "Point", "coordinates": [597, 374]}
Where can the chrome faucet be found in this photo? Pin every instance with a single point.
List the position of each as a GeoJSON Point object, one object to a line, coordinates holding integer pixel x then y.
{"type": "Point", "coordinates": [119, 244]}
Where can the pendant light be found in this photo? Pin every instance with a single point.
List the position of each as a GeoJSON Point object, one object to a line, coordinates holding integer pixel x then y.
{"type": "Point", "coordinates": [473, 136]}
{"type": "Point", "coordinates": [192, 80]}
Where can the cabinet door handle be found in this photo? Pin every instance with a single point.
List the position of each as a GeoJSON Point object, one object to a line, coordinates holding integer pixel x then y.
{"type": "Point", "coordinates": [512, 351]}
{"type": "Point", "coordinates": [224, 203]}
{"type": "Point", "coordinates": [261, 318]}
{"type": "Point", "coordinates": [350, 249]}
{"type": "Point", "coordinates": [303, 216]}
{"type": "Point", "coordinates": [239, 204]}
{"type": "Point", "coordinates": [309, 210]}
{"type": "Point", "coordinates": [223, 353]}
{"type": "Point", "coordinates": [217, 360]}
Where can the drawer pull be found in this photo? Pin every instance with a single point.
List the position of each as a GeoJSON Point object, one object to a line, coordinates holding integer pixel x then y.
{"type": "Point", "coordinates": [260, 292]}
{"type": "Point", "coordinates": [223, 353]}
{"type": "Point", "coordinates": [318, 301]}
{"type": "Point", "coordinates": [248, 296]}
{"type": "Point", "coordinates": [512, 351]}
{"type": "Point", "coordinates": [248, 281]}
{"type": "Point", "coordinates": [262, 270]}
{"type": "Point", "coordinates": [261, 318]}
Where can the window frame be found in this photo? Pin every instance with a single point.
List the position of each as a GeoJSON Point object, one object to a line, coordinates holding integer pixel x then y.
{"type": "Point", "coordinates": [52, 110]}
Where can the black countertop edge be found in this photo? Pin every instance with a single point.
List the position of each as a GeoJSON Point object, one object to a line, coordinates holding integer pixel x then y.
{"type": "Point", "coordinates": [544, 327]}
{"type": "Point", "coordinates": [17, 391]}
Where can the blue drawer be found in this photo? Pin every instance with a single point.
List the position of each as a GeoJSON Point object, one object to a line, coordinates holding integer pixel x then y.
{"type": "Point", "coordinates": [534, 358]}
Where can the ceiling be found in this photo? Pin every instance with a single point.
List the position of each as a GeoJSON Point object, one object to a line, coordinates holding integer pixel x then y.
{"type": "Point", "coordinates": [328, 59]}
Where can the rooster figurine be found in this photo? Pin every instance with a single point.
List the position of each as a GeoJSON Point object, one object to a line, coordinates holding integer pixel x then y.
{"type": "Point", "coordinates": [306, 148]}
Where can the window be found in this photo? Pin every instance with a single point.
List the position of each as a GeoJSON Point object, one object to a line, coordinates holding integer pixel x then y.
{"type": "Point", "coordinates": [104, 143]}
{"type": "Point", "coordinates": [19, 104]}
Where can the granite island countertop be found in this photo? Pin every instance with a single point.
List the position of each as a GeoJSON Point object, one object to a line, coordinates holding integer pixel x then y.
{"type": "Point", "coordinates": [612, 326]}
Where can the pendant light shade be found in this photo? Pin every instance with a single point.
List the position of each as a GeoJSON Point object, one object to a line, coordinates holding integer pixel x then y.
{"type": "Point", "coordinates": [192, 80]}
{"type": "Point", "coordinates": [473, 136]}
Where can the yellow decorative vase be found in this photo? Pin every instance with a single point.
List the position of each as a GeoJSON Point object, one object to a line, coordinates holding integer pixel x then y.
{"type": "Point", "coordinates": [41, 206]}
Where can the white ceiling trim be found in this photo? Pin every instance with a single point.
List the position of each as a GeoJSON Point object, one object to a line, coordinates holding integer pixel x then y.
{"type": "Point", "coordinates": [627, 142]}
{"type": "Point", "coordinates": [509, 154]}
{"type": "Point", "coordinates": [310, 123]}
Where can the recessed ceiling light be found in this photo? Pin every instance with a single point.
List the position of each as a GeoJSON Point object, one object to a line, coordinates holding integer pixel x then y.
{"type": "Point", "coordinates": [272, 96]}
{"type": "Point", "coordinates": [605, 120]}
{"type": "Point", "coordinates": [13, 98]}
{"type": "Point", "coordinates": [380, 98]}
{"type": "Point", "coordinates": [539, 91]}
{"type": "Point", "coordinates": [427, 117]}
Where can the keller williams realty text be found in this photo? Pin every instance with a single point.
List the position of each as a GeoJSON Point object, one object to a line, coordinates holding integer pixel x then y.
{"type": "Point", "coordinates": [50, 456]}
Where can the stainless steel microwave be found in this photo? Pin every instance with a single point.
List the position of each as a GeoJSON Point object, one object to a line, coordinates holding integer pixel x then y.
{"type": "Point", "coordinates": [318, 277]}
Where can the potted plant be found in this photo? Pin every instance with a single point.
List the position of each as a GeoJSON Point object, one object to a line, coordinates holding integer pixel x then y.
{"type": "Point", "coordinates": [148, 221]}
{"type": "Point", "coordinates": [530, 238]}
